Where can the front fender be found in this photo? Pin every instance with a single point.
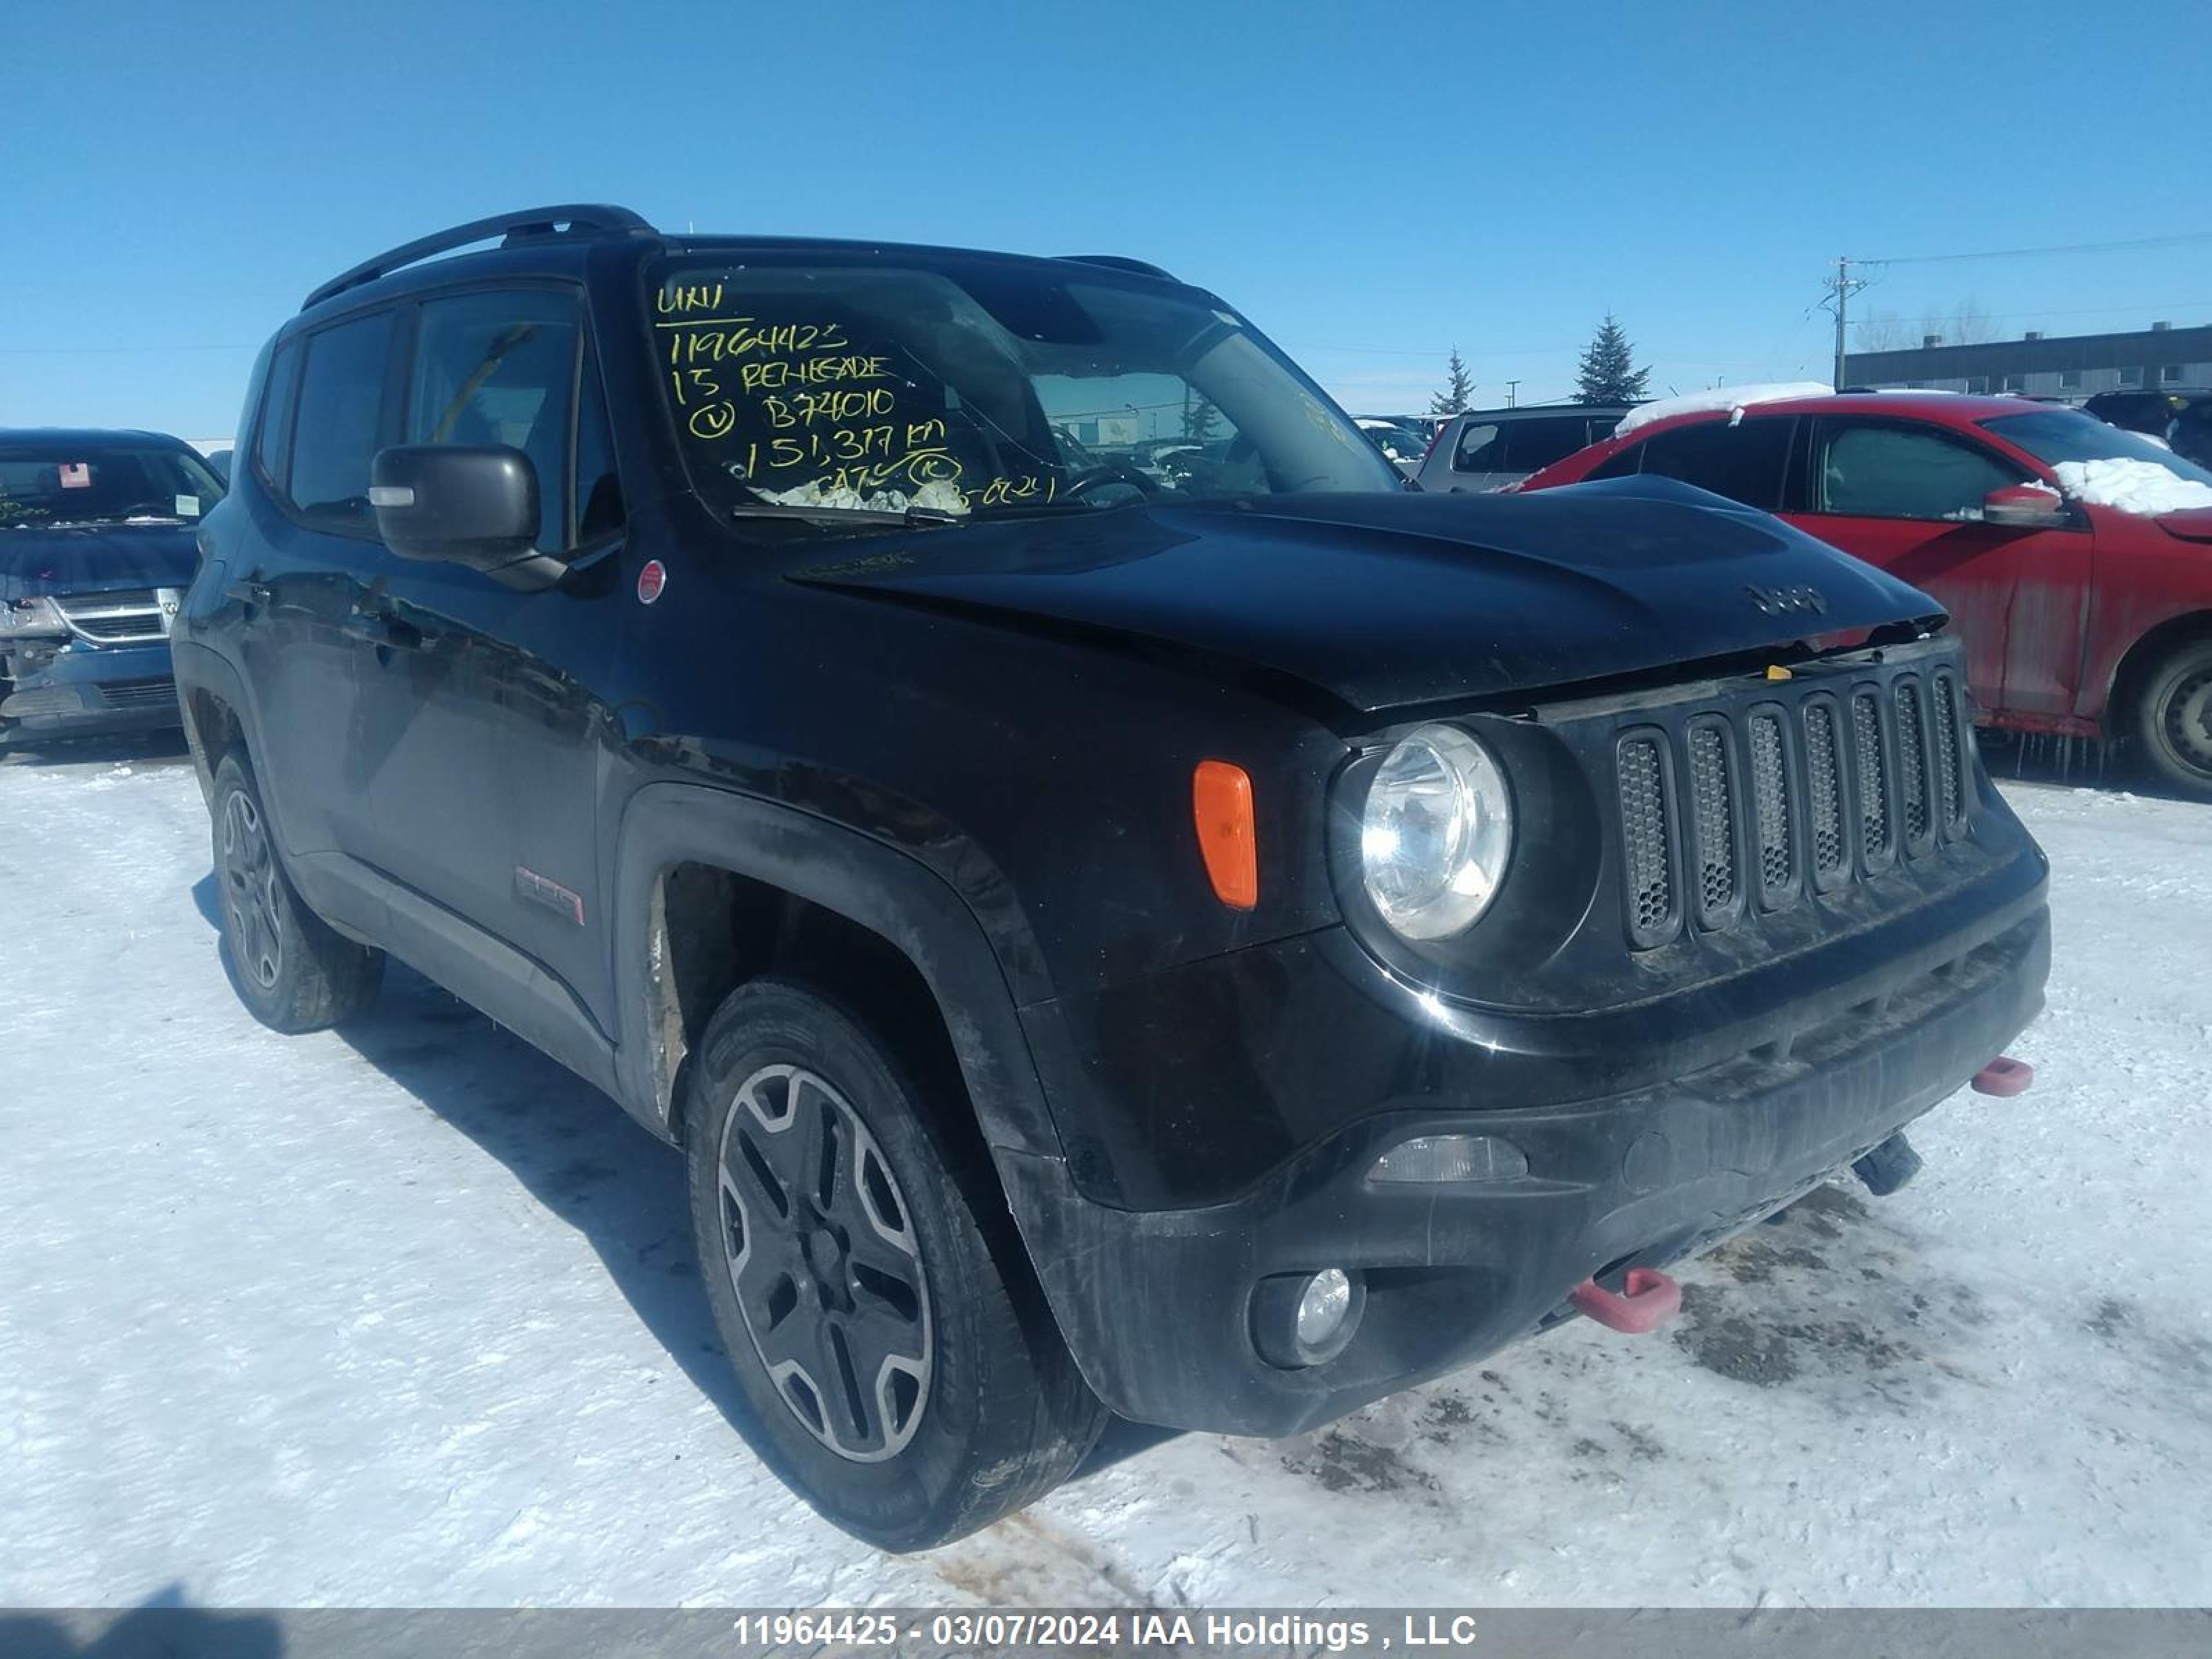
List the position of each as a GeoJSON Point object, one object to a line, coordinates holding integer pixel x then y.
{"type": "Point", "coordinates": [877, 887]}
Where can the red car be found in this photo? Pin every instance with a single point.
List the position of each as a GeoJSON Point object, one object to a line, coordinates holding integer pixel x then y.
{"type": "Point", "coordinates": [2074, 558]}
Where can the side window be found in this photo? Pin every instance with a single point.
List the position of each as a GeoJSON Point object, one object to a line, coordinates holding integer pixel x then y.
{"type": "Point", "coordinates": [1745, 461]}
{"type": "Point", "coordinates": [1532, 446]}
{"type": "Point", "coordinates": [1906, 472]}
{"type": "Point", "coordinates": [501, 368]}
{"type": "Point", "coordinates": [273, 430]}
{"type": "Point", "coordinates": [341, 402]}
{"type": "Point", "coordinates": [1479, 450]}
{"type": "Point", "coordinates": [598, 503]}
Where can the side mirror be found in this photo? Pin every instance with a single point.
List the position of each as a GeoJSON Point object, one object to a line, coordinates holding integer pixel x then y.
{"type": "Point", "coordinates": [475, 505]}
{"type": "Point", "coordinates": [2025, 506]}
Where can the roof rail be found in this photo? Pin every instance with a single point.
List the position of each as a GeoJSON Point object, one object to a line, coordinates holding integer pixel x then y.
{"type": "Point", "coordinates": [1119, 262]}
{"type": "Point", "coordinates": [578, 219]}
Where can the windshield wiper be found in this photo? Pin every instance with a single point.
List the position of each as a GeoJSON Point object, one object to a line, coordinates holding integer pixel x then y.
{"type": "Point", "coordinates": [912, 518]}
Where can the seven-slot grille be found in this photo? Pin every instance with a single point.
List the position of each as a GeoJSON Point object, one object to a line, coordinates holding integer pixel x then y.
{"type": "Point", "coordinates": [118, 619]}
{"type": "Point", "coordinates": [1775, 797]}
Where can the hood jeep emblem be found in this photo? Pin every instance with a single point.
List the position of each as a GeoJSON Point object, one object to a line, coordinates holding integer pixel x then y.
{"type": "Point", "coordinates": [1787, 601]}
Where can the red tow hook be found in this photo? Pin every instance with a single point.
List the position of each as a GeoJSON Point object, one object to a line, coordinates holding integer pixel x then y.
{"type": "Point", "coordinates": [1647, 1300]}
{"type": "Point", "coordinates": [2004, 1076]}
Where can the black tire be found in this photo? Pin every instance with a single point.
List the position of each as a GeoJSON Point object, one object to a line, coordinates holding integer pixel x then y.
{"type": "Point", "coordinates": [292, 972]}
{"type": "Point", "coordinates": [998, 1415]}
{"type": "Point", "coordinates": [2173, 718]}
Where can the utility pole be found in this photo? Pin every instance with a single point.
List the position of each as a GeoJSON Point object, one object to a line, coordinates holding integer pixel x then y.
{"type": "Point", "coordinates": [1512, 389]}
{"type": "Point", "coordinates": [1841, 286]}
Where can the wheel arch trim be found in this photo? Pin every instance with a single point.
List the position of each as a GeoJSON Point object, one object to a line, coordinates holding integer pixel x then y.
{"type": "Point", "coordinates": [879, 888]}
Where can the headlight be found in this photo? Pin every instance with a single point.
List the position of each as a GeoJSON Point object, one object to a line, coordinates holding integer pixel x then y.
{"type": "Point", "coordinates": [31, 619]}
{"type": "Point", "coordinates": [1435, 834]}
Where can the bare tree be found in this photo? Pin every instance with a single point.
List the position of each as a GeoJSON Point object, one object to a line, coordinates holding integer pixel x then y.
{"type": "Point", "coordinates": [1883, 330]}
{"type": "Point", "coordinates": [1965, 323]}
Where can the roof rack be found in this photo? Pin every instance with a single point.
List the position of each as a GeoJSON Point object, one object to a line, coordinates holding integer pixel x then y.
{"type": "Point", "coordinates": [1119, 262]}
{"type": "Point", "coordinates": [530, 224]}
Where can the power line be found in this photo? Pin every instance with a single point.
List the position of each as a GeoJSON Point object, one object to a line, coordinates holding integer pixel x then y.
{"type": "Point", "coordinates": [2062, 247]}
{"type": "Point", "coordinates": [100, 351]}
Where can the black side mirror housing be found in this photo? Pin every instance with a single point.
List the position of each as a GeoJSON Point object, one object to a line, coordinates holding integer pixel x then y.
{"type": "Point", "coordinates": [469, 504]}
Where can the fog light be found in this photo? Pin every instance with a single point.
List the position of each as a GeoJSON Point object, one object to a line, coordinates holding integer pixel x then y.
{"type": "Point", "coordinates": [1322, 1310]}
{"type": "Point", "coordinates": [1306, 1319]}
{"type": "Point", "coordinates": [1444, 1159]}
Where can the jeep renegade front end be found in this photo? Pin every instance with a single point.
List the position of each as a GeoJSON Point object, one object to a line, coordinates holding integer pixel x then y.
{"type": "Point", "coordinates": [1125, 906]}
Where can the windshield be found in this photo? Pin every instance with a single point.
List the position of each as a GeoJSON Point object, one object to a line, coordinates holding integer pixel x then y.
{"type": "Point", "coordinates": [1400, 443]}
{"type": "Point", "coordinates": [2060, 437]}
{"type": "Point", "coordinates": [966, 385]}
{"type": "Point", "coordinates": [45, 487]}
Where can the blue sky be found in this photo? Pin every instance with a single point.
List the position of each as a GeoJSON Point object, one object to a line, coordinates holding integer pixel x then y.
{"type": "Point", "coordinates": [1370, 185]}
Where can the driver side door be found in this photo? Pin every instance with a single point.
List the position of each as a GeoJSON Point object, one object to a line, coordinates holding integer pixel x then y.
{"type": "Point", "coordinates": [1906, 495]}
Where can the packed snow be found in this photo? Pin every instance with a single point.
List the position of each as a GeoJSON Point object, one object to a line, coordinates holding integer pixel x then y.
{"type": "Point", "coordinates": [1734, 398]}
{"type": "Point", "coordinates": [409, 1316]}
{"type": "Point", "coordinates": [2132, 486]}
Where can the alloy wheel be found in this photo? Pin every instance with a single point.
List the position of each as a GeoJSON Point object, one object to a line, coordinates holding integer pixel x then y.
{"type": "Point", "coordinates": [249, 885]}
{"type": "Point", "coordinates": [820, 1251]}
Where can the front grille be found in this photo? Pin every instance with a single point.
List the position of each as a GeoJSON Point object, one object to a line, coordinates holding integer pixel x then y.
{"type": "Point", "coordinates": [1736, 792]}
{"type": "Point", "coordinates": [140, 694]}
{"type": "Point", "coordinates": [1875, 846]}
{"type": "Point", "coordinates": [1950, 787]}
{"type": "Point", "coordinates": [1911, 761]}
{"type": "Point", "coordinates": [1712, 808]}
{"type": "Point", "coordinates": [1770, 808]}
{"type": "Point", "coordinates": [118, 619]}
{"type": "Point", "coordinates": [1647, 840]}
{"type": "Point", "coordinates": [1824, 774]}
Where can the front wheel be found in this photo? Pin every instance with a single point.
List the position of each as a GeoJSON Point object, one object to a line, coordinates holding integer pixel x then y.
{"type": "Point", "coordinates": [903, 1373]}
{"type": "Point", "coordinates": [2173, 718]}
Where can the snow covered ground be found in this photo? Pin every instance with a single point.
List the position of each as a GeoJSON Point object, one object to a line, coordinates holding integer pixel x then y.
{"type": "Point", "coordinates": [411, 1316]}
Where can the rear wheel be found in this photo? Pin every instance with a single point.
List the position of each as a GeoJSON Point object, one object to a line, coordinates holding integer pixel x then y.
{"type": "Point", "coordinates": [902, 1370]}
{"type": "Point", "coordinates": [292, 972]}
{"type": "Point", "coordinates": [2173, 719]}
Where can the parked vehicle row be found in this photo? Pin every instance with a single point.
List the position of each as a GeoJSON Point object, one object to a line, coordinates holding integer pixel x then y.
{"type": "Point", "coordinates": [1215, 935]}
{"type": "Point", "coordinates": [2074, 557]}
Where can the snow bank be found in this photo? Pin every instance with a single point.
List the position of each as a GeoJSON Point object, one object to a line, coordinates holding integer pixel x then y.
{"type": "Point", "coordinates": [1734, 398]}
{"type": "Point", "coordinates": [2143, 487]}
{"type": "Point", "coordinates": [409, 1314]}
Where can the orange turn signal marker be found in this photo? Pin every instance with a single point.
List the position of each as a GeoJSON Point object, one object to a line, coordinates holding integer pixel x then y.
{"type": "Point", "coordinates": [1221, 803]}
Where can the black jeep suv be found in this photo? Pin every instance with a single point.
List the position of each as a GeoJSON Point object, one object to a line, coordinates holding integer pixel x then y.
{"type": "Point", "coordinates": [1214, 948]}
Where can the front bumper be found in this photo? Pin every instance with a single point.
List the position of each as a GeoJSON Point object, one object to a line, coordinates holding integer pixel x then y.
{"type": "Point", "coordinates": [1157, 1303]}
{"type": "Point", "coordinates": [80, 691]}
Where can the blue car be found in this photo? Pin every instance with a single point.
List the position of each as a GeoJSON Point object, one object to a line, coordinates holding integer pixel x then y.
{"type": "Point", "coordinates": [96, 544]}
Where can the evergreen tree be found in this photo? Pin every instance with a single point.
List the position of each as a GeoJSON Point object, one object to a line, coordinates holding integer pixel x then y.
{"type": "Point", "coordinates": [1199, 417]}
{"type": "Point", "coordinates": [1459, 386]}
{"type": "Point", "coordinates": [1607, 373]}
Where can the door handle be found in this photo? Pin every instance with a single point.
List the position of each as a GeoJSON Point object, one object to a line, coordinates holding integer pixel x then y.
{"type": "Point", "coordinates": [248, 592]}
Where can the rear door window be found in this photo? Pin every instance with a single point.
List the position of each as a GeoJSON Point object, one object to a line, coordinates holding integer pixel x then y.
{"type": "Point", "coordinates": [1480, 449]}
{"type": "Point", "coordinates": [1873, 470]}
{"type": "Point", "coordinates": [341, 404]}
{"type": "Point", "coordinates": [1533, 445]}
{"type": "Point", "coordinates": [500, 368]}
{"type": "Point", "coordinates": [1745, 460]}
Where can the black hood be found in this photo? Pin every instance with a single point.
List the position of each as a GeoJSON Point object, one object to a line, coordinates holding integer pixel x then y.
{"type": "Point", "coordinates": [1384, 600]}
{"type": "Point", "coordinates": [95, 558]}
